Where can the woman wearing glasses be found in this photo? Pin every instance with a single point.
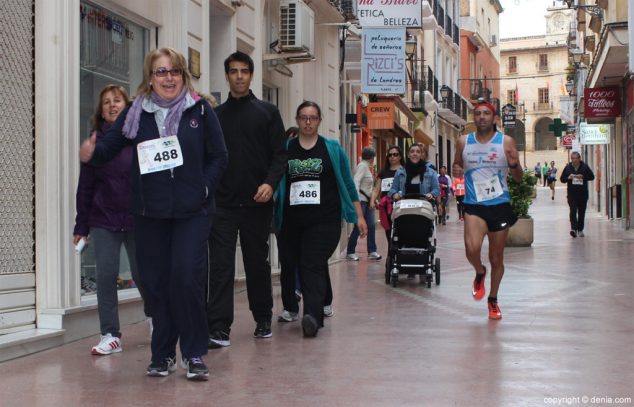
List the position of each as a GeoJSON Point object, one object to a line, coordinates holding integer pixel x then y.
{"type": "Point", "coordinates": [315, 193]}
{"type": "Point", "coordinates": [416, 177]}
{"type": "Point", "coordinates": [393, 161]}
{"type": "Point", "coordinates": [179, 156]}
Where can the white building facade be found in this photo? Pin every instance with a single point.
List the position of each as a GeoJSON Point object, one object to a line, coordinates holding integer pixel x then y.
{"type": "Point", "coordinates": [61, 53]}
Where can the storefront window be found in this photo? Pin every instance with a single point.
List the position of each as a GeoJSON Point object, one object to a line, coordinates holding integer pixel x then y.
{"type": "Point", "coordinates": [111, 52]}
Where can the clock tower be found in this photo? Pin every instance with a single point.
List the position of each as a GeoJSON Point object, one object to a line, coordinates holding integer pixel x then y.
{"type": "Point", "coordinates": [558, 25]}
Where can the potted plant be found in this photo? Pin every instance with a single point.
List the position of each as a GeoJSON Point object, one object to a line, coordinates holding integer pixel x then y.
{"type": "Point", "coordinates": [521, 234]}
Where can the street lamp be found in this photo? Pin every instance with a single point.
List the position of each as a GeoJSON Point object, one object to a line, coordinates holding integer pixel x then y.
{"type": "Point", "coordinates": [444, 94]}
{"type": "Point", "coordinates": [410, 47]}
{"type": "Point", "coordinates": [593, 10]}
{"type": "Point", "coordinates": [577, 57]}
{"type": "Point", "coordinates": [569, 85]}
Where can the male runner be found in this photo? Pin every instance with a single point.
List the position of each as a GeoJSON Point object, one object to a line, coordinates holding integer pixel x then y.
{"type": "Point", "coordinates": [486, 156]}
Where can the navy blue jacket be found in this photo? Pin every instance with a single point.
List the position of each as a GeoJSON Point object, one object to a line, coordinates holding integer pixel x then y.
{"type": "Point", "coordinates": [188, 190]}
{"type": "Point", "coordinates": [103, 193]}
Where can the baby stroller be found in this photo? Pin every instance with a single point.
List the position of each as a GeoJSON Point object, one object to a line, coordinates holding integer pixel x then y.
{"type": "Point", "coordinates": [413, 241]}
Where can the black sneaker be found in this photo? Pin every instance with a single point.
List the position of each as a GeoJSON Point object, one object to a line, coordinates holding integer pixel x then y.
{"type": "Point", "coordinates": [218, 339]}
{"type": "Point", "coordinates": [309, 326]}
{"type": "Point", "coordinates": [196, 368]}
{"type": "Point", "coordinates": [263, 330]}
{"type": "Point", "coordinates": [573, 233]}
{"type": "Point", "coordinates": [162, 368]}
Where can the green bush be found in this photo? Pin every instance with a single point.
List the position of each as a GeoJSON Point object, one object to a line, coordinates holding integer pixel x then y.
{"type": "Point", "coordinates": [521, 193]}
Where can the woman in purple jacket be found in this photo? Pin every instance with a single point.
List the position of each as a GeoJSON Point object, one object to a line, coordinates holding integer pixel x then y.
{"type": "Point", "coordinates": [103, 211]}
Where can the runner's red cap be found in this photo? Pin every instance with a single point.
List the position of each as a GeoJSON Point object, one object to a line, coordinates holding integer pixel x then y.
{"type": "Point", "coordinates": [486, 104]}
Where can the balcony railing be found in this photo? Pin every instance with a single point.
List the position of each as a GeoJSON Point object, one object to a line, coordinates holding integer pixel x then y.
{"type": "Point", "coordinates": [432, 83]}
{"type": "Point", "coordinates": [418, 85]}
{"type": "Point", "coordinates": [448, 26]}
{"type": "Point", "coordinates": [456, 35]}
{"type": "Point", "coordinates": [439, 13]}
{"type": "Point", "coordinates": [542, 106]}
{"type": "Point", "coordinates": [478, 90]}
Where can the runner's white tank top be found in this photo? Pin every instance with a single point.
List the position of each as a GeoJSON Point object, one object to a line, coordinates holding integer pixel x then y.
{"type": "Point", "coordinates": [485, 168]}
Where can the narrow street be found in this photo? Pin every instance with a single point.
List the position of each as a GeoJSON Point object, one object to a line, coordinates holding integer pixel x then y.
{"type": "Point", "coordinates": [566, 331]}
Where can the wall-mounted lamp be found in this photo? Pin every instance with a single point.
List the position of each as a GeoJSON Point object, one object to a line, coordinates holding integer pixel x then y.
{"type": "Point", "coordinates": [594, 11]}
{"type": "Point", "coordinates": [577, 57]}
{"type": "Point", "coordinates": [410, 47]}
{"type": "Point", "coordinates": [569, 86]}
{"type": "Point", "coordinates": [444, 92]}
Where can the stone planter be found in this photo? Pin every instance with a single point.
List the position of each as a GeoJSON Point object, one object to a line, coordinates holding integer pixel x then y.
{"type": "Point", "coordinates": [521, 234]}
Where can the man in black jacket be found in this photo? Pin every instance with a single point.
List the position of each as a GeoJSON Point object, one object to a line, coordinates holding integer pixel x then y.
{"type": "Point", "coordinates": [576, 175]}
{"type": "Point", "coordinates": [255, 138]}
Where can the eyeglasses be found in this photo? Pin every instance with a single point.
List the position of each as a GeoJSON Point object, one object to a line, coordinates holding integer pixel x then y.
{"type": "Point", "coordinates": [394, 154]}
{"type": "Point", "coordinates": [308, 118]}
{"type": "Point", "coordinates": [162, 72]}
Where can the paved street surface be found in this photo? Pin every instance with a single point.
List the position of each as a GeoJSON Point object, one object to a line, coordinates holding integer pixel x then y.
{"type": "Point", "coordinates": [567, 332]}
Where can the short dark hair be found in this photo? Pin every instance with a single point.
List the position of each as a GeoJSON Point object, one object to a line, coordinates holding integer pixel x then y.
{"type": "Point", "coordinates": [308, 103]}
{"type": "Point", "coordinates": [575, 152]}
{"type": "Point", "coordinates": [240, 57]}
{"type": "Point", "coordinates": [368, 153]}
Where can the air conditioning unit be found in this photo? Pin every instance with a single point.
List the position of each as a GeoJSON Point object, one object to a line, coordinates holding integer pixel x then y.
{"type": "Point", "coordinates": [297, 26]}
{"type": "Point", "coordinates": [494, 41]}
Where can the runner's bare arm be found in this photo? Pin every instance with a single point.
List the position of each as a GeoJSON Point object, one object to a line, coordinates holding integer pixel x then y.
{"type": "Point", "coordinates": [513, 158]}
{"type": "Point", "coordinates": [458, 166]}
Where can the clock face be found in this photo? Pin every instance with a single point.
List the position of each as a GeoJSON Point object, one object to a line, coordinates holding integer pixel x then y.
{"type": "Point", "coordinates": [558, 21]}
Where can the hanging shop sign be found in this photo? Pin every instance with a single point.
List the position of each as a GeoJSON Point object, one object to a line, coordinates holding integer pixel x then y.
{"type": "Point", "coordinates": [383, 61]}
{"type": "Point", "coordinates": [595, 133]}
{"type": "Point", "coordinates": [389, 13]}
{"type": "Point", "coordinates": [508, 116]}
{"type": "Point", "coordinates": [602, 102]}
{"type": "Point", "coordinates": [568, 139]}
{"type": "Point", "coordinates": [380, 115]}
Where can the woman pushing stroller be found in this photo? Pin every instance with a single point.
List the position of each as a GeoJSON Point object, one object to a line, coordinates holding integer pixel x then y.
{"type": "Point", "coordinates": [417, 177]}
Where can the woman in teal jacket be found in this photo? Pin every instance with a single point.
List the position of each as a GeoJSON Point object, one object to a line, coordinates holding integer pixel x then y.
{"type": "Point", "coordinates": [315, 193]}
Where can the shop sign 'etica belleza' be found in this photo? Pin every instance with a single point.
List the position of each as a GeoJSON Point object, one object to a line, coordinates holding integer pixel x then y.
{"type": "Point", "coordinates": [389, 13]}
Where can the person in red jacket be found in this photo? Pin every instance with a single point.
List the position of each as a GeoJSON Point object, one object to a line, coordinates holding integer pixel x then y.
{"type": "Point", "coordinates": [458, 187]}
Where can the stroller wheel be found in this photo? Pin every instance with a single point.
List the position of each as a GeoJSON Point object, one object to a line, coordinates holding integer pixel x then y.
{"type": "Point", "coordinates": [437, 271]}
{"type": "Point", "coordinates": [394, 280]}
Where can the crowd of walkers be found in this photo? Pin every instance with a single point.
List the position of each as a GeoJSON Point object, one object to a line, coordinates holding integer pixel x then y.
{"type": "Point", "coordinates": [176, 181]}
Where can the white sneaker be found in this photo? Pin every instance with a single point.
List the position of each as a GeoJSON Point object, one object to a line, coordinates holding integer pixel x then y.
{"type": "Point", "coordinates": [352, 257]}
{"type": "Point", "coordinates": [107, 345]}
{"type": "Point", "coordinates": [287, 316]}
{"type": "Point", "coordinates": [328, 312]}
{"type": "Point", "coordinates": [374, 256]}
{"type": "Point", "coordinates": [580, 234]}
